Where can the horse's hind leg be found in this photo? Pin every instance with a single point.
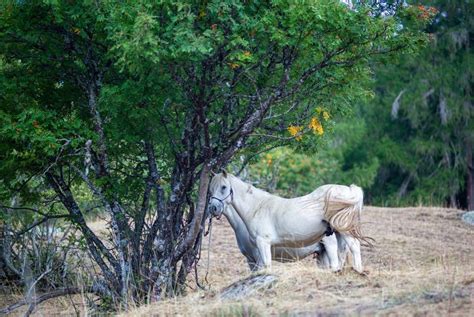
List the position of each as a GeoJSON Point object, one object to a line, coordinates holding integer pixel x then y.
{"type": "Point", "coordinates": [342, 250]}
{"type": "Point", "coordinates": [354, 247]}
{"type": "Point", "coordinates": [330, 246]}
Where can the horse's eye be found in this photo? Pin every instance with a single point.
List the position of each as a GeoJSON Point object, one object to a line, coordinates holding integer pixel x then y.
{"type": "Point", "coordinates": [223, 188]}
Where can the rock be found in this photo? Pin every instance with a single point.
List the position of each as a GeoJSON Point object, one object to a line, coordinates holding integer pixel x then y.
{"type": "Point", "coordinates": [248, 286]}
{"type": "Point", "coordinates": [468, 217]}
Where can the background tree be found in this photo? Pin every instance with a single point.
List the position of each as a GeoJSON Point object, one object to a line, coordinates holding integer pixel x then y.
{"type": "Point", "coordinates": [418, 130]}
{"type": "Point", "coordinates": [411, 144]}
{"type": "Point", "coordinates": [429, 126]}
{"type": "Point", "coordinates": [139, 101]}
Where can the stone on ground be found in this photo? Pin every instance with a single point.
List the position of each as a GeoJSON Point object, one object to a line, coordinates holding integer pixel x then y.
{"type": "Point", "coordinates": [468, 217]}
{"type": "Point", "coordinates": [248, 286]}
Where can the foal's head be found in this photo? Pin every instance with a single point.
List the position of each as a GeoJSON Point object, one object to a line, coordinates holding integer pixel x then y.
{"type": "Point", "coordinates": [221, 194]}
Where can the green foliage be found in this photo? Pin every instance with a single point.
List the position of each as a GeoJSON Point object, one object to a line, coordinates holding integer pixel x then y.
{"type": "Point", "coordinates": [144, 40]}
{"type": "Point", "coordinates": [39, 113]}
{"type": "Point", "coordinates": [414, 151]}
{"type": "Point", "coordinates": [423, 143]}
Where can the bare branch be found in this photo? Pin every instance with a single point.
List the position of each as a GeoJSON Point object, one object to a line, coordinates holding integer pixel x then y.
{"type": "Point", "coordinates": [96, 246]}
{"type": "Point", "coordinates": [39, 222]}
{"type": "Point", "coordinates": [44, 297]}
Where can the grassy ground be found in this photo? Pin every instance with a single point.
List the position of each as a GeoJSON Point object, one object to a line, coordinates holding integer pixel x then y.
{"type": "Point", "coordinates": [422, 264]}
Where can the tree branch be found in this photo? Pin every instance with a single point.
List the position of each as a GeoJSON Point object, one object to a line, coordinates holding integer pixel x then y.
{"type": "Point", "coordinates": [96, 246]}
{"type": "Point", "coordinates": [190, 238]}
{"type": "Point", "coordinates": [44, 297]}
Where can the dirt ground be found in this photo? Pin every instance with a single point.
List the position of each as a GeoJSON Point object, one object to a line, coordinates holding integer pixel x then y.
{"type": "Point", "coordinates": [422, 264]}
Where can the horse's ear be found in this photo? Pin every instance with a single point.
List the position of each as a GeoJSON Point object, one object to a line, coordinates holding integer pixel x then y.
{"type": "Point", "coordinates": [213, 173]}
{"type": "Point", "coordinates": [224, 173]}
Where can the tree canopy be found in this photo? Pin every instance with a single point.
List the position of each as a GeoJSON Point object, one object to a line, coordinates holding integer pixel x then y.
{"type": "Point", "coordinates": [136, 102]}
{"type": "Point", "coordinates": [412, 143]}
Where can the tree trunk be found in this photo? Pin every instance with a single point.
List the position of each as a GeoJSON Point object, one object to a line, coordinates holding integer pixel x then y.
{"type": "Point", "coordinates": [470, 177]}
{"type": "Point", "coordinates": [404, 187]}
{"type": "Point", "coordinates": [3, 267]}
{"type": "Point", "coordinates": [7, 268]}
{"type": "Point", "coordinates": [168, 280]}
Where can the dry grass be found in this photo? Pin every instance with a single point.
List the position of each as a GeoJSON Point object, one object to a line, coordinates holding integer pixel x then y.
{"type": "Point", "coordinates": [422, 264]}
{"type": "Point", "coordinates": [62, 306]}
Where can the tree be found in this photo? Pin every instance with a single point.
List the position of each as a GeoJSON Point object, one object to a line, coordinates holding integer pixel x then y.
{"type": "Point", "coordinates": [421, 121]}
{"type": "Point", "coordinates": [140, 101]}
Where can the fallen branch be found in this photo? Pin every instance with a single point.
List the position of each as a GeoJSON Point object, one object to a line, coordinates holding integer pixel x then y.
{"type": "Point", "coordinates": [41, 298]}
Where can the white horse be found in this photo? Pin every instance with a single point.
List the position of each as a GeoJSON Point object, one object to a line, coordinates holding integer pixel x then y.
{"type": "Point", "coordinates": [331, 250]}
{"type": "Point", "coordinates": [287, 227]}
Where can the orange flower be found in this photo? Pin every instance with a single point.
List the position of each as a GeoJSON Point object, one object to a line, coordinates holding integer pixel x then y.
{"type": "Point", "coordinates": [426, 13]}
{"type": "Point", "coordinates": [269, 159]}
{"type": "Point", "coordinates": [234, 65]}
{"type": "Point", "coordinates": [295, 131]}
{"type": "Point", "coordinates": [316, 126]}
{"type": "Point", "coordinates": [326, 115]}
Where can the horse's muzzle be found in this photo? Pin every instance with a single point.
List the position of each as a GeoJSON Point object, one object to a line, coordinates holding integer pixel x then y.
{"type": "Point", "coordinates": [214, 210]}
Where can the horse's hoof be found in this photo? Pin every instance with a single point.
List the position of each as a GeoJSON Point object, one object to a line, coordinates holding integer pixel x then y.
{"type": "Point", "coordinates": [364, 273]}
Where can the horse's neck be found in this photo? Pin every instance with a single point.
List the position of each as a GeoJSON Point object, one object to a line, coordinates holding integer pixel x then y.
{"type": "Point", "coordinates": [247, 199]}
{"type": "Point", "coordinates": [234, 219]}
{"type": "Point", "coordinates": [241, 233]}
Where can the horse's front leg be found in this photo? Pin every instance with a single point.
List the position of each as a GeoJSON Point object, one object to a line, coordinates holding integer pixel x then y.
{"type": "Point", "coordinates": [265, 253]}
{"type": "Point", "coordinates": [253, 265]}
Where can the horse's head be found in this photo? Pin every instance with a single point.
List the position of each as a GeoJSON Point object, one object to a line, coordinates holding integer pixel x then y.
{"type": "Point", "coordinates": [221, 194]}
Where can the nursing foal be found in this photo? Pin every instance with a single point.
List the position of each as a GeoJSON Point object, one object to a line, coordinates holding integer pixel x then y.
{"type": "Point", "coordinates": [268, 226]}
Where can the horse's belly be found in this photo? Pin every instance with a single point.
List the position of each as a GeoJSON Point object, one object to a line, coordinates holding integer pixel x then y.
{"type": "Point", "coordinates": [289, 254]}
{"type": "Point", "coordinates": [299, 231]}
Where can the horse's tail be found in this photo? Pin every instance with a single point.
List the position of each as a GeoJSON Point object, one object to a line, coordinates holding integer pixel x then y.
{"type": "Point", "coordinates": [343, 208]}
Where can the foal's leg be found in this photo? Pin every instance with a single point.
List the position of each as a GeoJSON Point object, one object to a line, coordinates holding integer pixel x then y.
{"type": "Point", "coordinates": [342, 250]}
{"type": "Point", "coordinates": [354, 246]}
{"type": "Point", "coordinates": [323, 260]}
{"type": "Point", "coordinates": [330, 245]}
{"type": "Point", "coordinates": [265, 252]}
{"type": "Point", "coordinates": [322, 256]}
